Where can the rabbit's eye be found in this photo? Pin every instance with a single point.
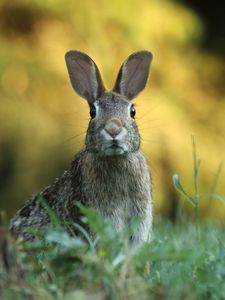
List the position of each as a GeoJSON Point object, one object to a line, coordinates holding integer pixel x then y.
{"type": "Point", "coordinates": [93, 112]}
{"type": "Point", "coordinates": [132, 111]}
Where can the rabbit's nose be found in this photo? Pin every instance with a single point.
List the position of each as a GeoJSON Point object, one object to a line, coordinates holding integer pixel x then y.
{"type": "Point", "coordinates": [113, 127]}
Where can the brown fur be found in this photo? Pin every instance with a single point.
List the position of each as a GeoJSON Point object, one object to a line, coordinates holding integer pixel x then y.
{"type": "Point", "coordinates": [115, 183]}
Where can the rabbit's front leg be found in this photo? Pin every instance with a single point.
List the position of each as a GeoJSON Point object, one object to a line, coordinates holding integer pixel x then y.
{"type": "Point", "coordinates": [143, 231]}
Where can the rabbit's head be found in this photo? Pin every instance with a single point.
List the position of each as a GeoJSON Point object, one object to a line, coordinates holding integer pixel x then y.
{"type": "Point", "coordinates": [112, 128]}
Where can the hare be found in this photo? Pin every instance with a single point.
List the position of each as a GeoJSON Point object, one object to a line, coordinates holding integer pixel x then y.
{"type": "Point", "coordinates": [111, 174]}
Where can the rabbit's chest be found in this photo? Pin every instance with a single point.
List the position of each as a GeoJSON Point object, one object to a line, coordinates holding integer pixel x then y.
{"type": "Point", "coordinates": [116, 205]}
{"type": "Point", "coordinates": [112, 196]}
{"type": "Point", "coordinates": [118, 188]}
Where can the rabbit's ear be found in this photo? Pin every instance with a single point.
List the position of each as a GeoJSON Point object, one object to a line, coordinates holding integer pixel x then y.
{"type": "Point", "coordinates": [84, 75]}
{"type": "Point", "coordinates": [133, 74]}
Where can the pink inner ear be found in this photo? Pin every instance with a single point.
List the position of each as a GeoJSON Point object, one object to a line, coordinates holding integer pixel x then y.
{"type": "Point", "coordinates": [133, 74]}
{"type": "Point", "coordinates": [130, 72]}
{"type": "Point", "coordinates": [84, 75]}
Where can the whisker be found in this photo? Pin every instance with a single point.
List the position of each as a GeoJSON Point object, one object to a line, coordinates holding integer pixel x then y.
{"type": "Point", "coordinates": [149, 128]}
{"type": "Point", "coordinates": [74, 137]}
{"type": "Point", "coordinates": [149, 110]}
{"type": "Point", "coordinates": [149, 141]}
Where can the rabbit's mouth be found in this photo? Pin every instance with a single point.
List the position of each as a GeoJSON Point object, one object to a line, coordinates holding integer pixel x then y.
{"type": "Point", "coordinates": [114, 149]}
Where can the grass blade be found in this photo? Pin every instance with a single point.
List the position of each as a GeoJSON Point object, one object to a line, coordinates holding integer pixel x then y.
{"type": "Point", "coordinates": [215, 180]}
{"type": "Point", "coordinates": [180, 189]}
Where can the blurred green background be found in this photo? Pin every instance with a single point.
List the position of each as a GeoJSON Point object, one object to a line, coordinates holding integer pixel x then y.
{"type": "Point", "coordinates": [43, 122]}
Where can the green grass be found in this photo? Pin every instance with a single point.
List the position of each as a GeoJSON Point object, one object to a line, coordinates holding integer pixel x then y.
{"type": "Point", "coordinates": [185, 260]}
{"type": "Point", "coordinates": [182, 266]}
